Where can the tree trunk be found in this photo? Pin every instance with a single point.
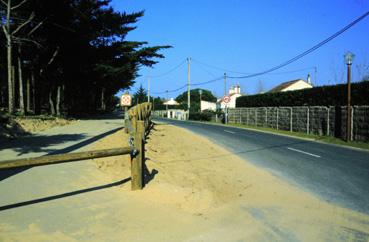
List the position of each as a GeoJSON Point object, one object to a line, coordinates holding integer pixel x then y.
{"type": "Point", "coordinates": [58, 100]}
{"type": "Point", "coordinates": [20, 77]}
{"type": "Point", "coordinates": [33, 92]}
{"type": "Point", "coordinates": [103, 99]}
{"type": "Point", "coordinates": [28, 95]}
{"type": "Point", "coordinates": [13, 87]}
{"type": "Point", "coordinates": [9, 59]}
{"type": "Point", "coordinates": [10, 79]}
{"type": "Point", "coordinates": [51, 102]}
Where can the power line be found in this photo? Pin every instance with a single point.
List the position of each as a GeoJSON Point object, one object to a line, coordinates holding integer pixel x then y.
{"type": "Point", "coordinates": [170, 91]}
{"type": "Point", "coordinates": [293, 71]}
{"type": "Point", "coordinates": [184, 86]}
{"type": "Point", "coordinates": [219, 68]}
{"type": "Point", "coordinates": [315, 47]}
{"type": "Point", "coordinates": [206, 71]}
{"type": "Point", "coordinates": [170, 71]}
{"type": "Point", "coordinates": [274, 73]}
{"type": "Point", "coordinates": [207, 82]}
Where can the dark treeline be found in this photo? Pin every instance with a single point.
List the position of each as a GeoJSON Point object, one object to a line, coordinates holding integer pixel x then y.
{"type": "Point", "coordinates": [67, 56]}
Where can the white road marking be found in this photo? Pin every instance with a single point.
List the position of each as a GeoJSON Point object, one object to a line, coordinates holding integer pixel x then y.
{"type": "Point", "coordinates": [231, 132]}
{"type": "Point", "coordinates": [303, 152]}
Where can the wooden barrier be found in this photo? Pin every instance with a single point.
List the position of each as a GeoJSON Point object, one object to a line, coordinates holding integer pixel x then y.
{"type": "Point", "coordinates": [137, 122]}
{"type": "Point", "coordinates": [138, 159]}
{"type": "Point", "coordinates": [62, 158]}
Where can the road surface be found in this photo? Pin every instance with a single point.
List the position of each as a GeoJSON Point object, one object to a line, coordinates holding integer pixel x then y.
{"type": "Point", "coordinates": [26, 184]}
{"type": "Point", "coordinates": [336, 174]}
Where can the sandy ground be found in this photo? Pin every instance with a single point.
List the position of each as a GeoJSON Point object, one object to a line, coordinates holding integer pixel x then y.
{"type": "Point", "coordinates": [18, 126]}
{"type": "Point", "coordinates": [35, 125]}
{"type": "Point", "coordinates": [198, 192]}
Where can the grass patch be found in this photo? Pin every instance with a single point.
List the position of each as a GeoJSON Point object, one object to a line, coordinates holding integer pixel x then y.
{"type": "Point", "coordinates": [324, 139]}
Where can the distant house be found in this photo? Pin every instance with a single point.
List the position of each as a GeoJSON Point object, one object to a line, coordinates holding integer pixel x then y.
{"type": "Point", "coordinates": [234, 92]}
{"type": "Point", "coordinates": [292, 86]}
{"type": "Point", "coordinates": [208, 106]}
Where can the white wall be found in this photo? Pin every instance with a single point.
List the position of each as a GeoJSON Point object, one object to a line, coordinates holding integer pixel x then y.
{"type": "Point", "coordinates": [232, 103]}
{"type": "Point", "coordinates": [297, 86]}
{"type": "Point", "coordinates": [208, 105]}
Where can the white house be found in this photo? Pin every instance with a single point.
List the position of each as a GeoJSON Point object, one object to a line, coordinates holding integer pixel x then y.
{"type": "Point", "coordinates": [205, 105]}
{"type": "Point", "coordinates": [294, 85]}
{"type": "Point", "coordinates": [234, 92]}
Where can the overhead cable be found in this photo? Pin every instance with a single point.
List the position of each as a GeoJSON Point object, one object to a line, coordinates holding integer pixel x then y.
{"type": "Point", "coordinates": [168, 72]}
{"type": "Point", "coordinates": [315, 47]}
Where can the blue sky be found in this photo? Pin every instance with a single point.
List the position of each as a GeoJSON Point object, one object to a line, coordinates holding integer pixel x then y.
{"type": "Point", "coordinates": [248, 36]}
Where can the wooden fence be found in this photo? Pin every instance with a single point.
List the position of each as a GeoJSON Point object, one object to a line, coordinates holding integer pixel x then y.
{"type": "Point", "coordinates": [138, 123]}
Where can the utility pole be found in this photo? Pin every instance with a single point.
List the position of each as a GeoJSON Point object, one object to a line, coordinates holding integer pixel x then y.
{"type": "Point", "coordinates": [225, 84]}
{"type": "Point", "coordinates": [148, 89]}
{"type": "Point", "coordinates": [166, 106]}
{"type": "Point", "coordinates": [225, 104]}
{"type": "Point", "coordinates": [315, 71]}
{"type": "Point", "coordinates": [188, 84]}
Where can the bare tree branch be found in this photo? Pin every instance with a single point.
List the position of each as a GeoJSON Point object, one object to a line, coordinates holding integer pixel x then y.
{"type": "Point", "coordinates": [20, 4]}
{"type": "Point", "coordinates": [20, 40]}
{"type": "Point", "coordinates": [35, 28]}
{"type": "Point", "coordinates": [53, 57]}
{"type": "Point", "coordinates": [2, 1]}
{"type": "Point", "coordinates": [51, 60]}
{"type": "Point", "coordinates": [24, 24]}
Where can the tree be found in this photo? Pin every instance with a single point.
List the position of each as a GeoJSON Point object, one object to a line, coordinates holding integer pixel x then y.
{"type": "Point", "coordinates": [140, 96]}
{"type": "Point", "coordinates": [78, 58]}
{"type": "Point", "coordinates": [195, 99]}
{"type": "Point", "coordinates": [10, 29]}
{"type": "Point", "coordinates": [158, 103]}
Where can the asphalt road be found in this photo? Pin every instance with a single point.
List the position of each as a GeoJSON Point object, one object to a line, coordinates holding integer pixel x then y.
{"type": "Point", "coordinates": [336, 174]}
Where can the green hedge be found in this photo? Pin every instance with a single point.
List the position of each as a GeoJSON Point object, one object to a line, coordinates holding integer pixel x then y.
{"type": "Point", "coordinates": [317, 96]}
{"type": "Point", "coordinates": [204, 116]}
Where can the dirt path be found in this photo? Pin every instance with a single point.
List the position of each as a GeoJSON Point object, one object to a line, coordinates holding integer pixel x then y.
{"type": "Point", "coordinates": [200, 192]}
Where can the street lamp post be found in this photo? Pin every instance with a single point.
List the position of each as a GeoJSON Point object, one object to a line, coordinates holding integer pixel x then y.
{"type": "Point", "coordinates": [348, 60]}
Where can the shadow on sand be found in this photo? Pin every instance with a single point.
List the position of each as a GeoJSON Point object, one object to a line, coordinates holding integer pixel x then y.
{"type": "Point", "coordinates": [49, 140]}
{"type": "Point", "coordinates": [63, 195]}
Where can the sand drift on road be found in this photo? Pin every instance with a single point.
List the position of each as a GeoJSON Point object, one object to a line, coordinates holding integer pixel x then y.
{"type": "Point", "coordinates": [198, 192]}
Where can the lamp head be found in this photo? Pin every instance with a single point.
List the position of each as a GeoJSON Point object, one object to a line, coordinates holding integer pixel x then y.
{"type": "Point", "coordinates": [349, 57]}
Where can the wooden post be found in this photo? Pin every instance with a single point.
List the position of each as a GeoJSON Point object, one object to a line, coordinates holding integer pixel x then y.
{"type": "Point", "coordinates": [291, 120]}
{"type": "Point", "coordinates": [307, 121]}
{"type": "Point", "coordinates": [328, 108]}
{"type": "Point", "coordinates": [137, 161]}
{"type": "Point", "coordinates": [126, 119]}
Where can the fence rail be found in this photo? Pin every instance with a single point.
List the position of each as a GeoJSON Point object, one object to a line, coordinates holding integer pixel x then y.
{"type": "Point", "coordinates": [139, 122]}
{"type": "Point", "coordinates": [63, 158]}
{"type": "Point", "coordinates": [320, 120]}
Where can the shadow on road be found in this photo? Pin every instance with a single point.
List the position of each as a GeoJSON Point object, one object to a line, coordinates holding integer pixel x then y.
{"type": "Point", "coordinates": [113, 115]}
{"type": "Point", "coordinates": [39, 143]}
{"type": "Point", "coordinates": [63, 195]}
{"type": "Point", "coordinates": [10, 172]}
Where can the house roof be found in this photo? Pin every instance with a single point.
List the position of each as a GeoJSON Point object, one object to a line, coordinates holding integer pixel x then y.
{"type": "Point", "coordinates": [171, 102]}
{"type": "Point", "coordinates": [284, 85]}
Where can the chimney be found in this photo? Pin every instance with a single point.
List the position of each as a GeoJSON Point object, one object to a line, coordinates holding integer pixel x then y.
{"type": "Point", "coordinates": [309, 79]}
{"type": "Point", "coordinates": [237, 89]}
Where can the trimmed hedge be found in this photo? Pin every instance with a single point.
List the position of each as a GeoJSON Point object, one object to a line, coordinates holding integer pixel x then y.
{"type": "Point", "coordinates": [317, 96]}
{"type": "Point", "coordinates": [204, 116]}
